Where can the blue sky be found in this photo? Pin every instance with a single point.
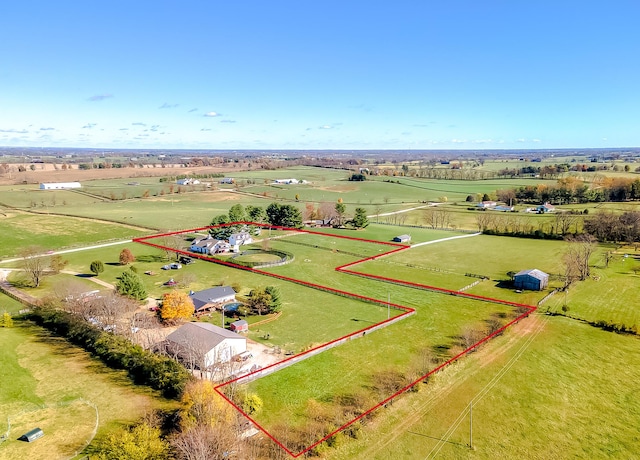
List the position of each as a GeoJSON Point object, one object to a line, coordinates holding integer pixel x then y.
{"type": "Point", "coordinates": [346, 74]}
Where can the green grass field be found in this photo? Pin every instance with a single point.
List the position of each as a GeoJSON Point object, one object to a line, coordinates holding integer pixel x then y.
{"type": "Point", "coordinates": [559, 398]}
{"type": "Point", "coordinates": [568, 391]}
{"type": "Point", "coordinates": [45, 382]}
{"type": "Point", "coordinates": [55, 232]}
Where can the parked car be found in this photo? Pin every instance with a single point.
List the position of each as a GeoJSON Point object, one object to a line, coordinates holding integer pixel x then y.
{"type": "Point", "coordinates": [171, 282]}
{"type": "Point", "coordinates": [166, 267]}
{"type": "Point", "coordinates": [175, 266]}
{"type": "Point", "coordinates": [186, 260]}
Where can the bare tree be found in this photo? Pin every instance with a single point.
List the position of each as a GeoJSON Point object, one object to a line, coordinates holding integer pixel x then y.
{"type": "Point", "coordinates": [205, 442]}
{"type": "Point", "coordinates": [564, 221]}
{"type": "Point", "coordinates": [33, 264]}
{"type": "Point", "coordinates": [577, 257]}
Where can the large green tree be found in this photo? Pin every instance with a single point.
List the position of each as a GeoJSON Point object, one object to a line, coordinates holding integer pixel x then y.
{"type": "Point", "coordinates": [284, 215]}
{"type": "Point", "coordinates": [237, 213]}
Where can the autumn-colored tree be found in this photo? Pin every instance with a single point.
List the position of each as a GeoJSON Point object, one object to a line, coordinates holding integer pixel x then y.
{"type": "Point", "coordinates": [202, 405]}
{"type": "Point", "coordinates": [57, 263]}
{"type": "Point", "coordinates": [6, 320]}
{"type": "Point", "coordinates": [126, 257]}
{"type": "Point", "coordinates": [176, 305]}
{"type": "Point", "coordinates": [142, 442]}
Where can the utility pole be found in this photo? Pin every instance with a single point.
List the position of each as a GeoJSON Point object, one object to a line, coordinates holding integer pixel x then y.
{"type": "Point", "coordinates": [471, 425]}
{"type": "Point", "coordinates": [388, 305]}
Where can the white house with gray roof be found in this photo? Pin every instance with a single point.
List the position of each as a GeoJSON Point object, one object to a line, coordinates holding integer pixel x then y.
{"type": "Point", "coordinates": [214, 297]}
{"type": "Point", "coordinates": [202, 345]}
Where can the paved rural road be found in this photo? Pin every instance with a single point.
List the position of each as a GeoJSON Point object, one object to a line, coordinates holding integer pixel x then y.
{"type": "Point", "coordinates": [399, 212]}
{"type": "Point", "coordinates": [445, 239]}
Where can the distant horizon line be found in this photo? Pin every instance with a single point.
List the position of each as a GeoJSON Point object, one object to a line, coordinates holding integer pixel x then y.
{"type": "Point", "coordinates": [368, 150]}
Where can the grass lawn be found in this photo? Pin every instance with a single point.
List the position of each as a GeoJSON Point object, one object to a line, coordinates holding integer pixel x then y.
{"type": "Point", "coordinates": [351, 369]}
{"type": "Point", "coordinates": [20, 230]}
{"type": "Point", "coordinates": [569, 391]}
{"type": "Point", "coordinates": [611, 294]}
{"type": "Point", "coordinates": [45, 382]}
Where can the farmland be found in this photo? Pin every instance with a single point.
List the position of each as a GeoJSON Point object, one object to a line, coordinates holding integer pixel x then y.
{"type": "Point", "coordinates": [541, 362]}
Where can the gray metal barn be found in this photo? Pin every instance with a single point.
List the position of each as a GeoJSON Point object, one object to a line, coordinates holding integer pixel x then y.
{"type": "Point", "coordinates": [531, 279]}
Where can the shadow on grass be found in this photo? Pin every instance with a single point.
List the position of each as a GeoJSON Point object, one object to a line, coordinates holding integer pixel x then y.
{"type": "Point", "coordinates": [504, 284]}
{"type": "Point", "coordinates": [439, 439]}
{"type": "Point", "coordinates": [151, 258]}
{"type": "Point", "coordinates": [84, 275]}
{"type": "Point", "coordinates": [60, 346]}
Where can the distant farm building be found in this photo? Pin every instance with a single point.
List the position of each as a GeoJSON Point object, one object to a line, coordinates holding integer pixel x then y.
{"type": "Point", "coordinates": [239, 326]}
{"type": "Point", "coordinates": [545, 208]}
{"type": "Point", "coordinates": [402, 238]}
{"type": "Point", "coordinates": [32, 435]}
{"type": "Point", "coordinates": [188, 181]}
{"type": "Point", "coordinates": [212, 298]}
{"type": "Point", "coordinates": [286, 181]}
{"type": "Point", "coordinates": [59, 185]}
{"type": "Point", "coordinates": [532, 279]}
{"type": "Point", "coordinates": [487, 204]}
{"type": "Point", "coordinates": [203, 344]}
{"type": "Point", "coordinates": [227, 180]}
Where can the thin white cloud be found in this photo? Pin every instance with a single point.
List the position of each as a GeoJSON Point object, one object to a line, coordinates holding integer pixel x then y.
{"type": "Point", "coordinates": [47, 129]}
{"type": "Point", "coordinates": [536, 140]}
{"type": "Point", "coordinates": [458, 141]}
{"type": "Point", "coordinates": [89, 125]}
{"type": "Point", "coordinates": [138, 123]}
{"type": "Point", "coordinates": [14, 131]}
{"type": "Point", "coordinates": [168, 106]}
{"type": "Point", "coordinates": [192, 110]}
{"type": "Point", "coordinates": [100, 97]}
{"type": "Point", "coordinates": [205, 129]}
{"type": "Point", "coordinates": [521, 140]}
{"type": "Point", "coordinates": [212, 114]}
{"type": "Point", "coordinates": [325, 127]}
{"type": "Point", "coordinates": [227, 121]}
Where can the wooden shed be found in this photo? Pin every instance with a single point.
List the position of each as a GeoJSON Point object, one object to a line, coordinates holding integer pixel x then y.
{"type": "Point", "coordinates": [239, 326]}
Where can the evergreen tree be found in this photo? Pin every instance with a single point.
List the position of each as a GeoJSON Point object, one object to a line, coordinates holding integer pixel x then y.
{"type": "Point", "coordinates": [360, 219]}
{"type": "Point", "coordinates": [96, 267]}
{"type": "Point", "coordinates": [130, 285]}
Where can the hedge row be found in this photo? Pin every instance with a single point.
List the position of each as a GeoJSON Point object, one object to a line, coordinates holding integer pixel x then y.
{"type": "Point", "coordinates": [144, 367]}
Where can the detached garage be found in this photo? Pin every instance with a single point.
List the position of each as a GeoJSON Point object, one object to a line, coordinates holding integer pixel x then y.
{"type": "Point", "coordinates": [205, 344]}
{"type": "Point", "coordinates": [532, 279]}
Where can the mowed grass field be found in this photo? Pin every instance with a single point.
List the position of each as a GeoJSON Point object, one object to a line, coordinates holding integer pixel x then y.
{"type": "Point", "coordinates": [350, 369]}
{"type": "Point", "coordinates": [550, 388]}
{"type": "Point", "coordinates": [50, 384]}
{"type": "Point", "coordinates": [611, 294]}
{"type": "Point", "coordinates": [20, 230]}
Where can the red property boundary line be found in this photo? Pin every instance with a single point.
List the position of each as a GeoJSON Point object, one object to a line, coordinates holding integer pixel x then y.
{"type": "Point", "coordinates": [407, 311]}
